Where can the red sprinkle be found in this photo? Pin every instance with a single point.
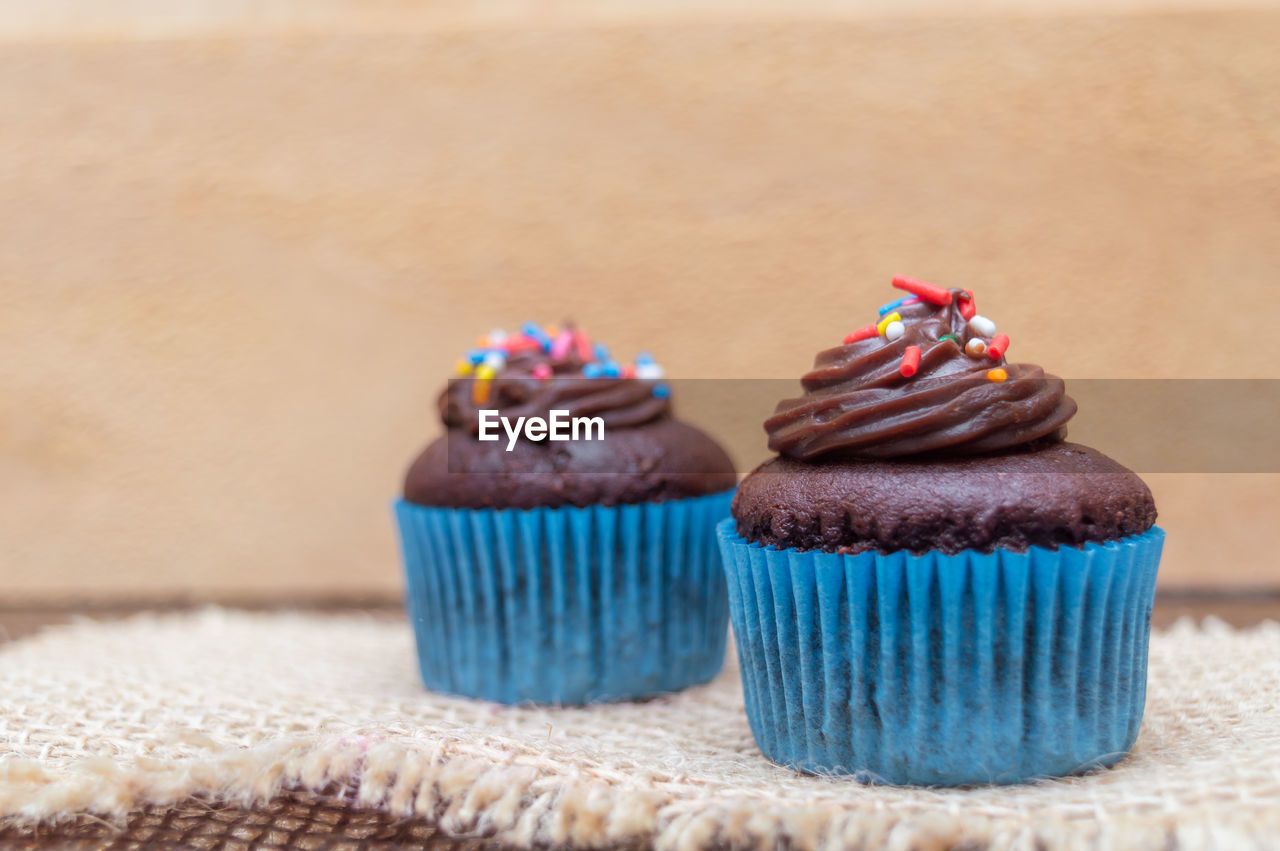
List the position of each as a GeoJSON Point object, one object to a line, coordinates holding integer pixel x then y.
{"type": "Point", "coordinates": [997, 347]}
{"type": "Point", "coordinates": [910, 361]}
{"type": "Point", "coordinates": [968, 306]}
{"type": "Point", "coordinates": [515, 345]}
{"type": "Point", "coordinates": [928, 292]}
{"type": "Point", "coordinates": [542, 371]}
{"type": "Point", "coordinates": [628, 371]}
{"type": "Point", "coordinates": [582, 343]}
{"type": "Point", "coordinates": [861, 334]}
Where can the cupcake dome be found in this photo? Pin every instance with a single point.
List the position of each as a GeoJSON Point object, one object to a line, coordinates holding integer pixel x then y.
{"type": "Point", "coordinates": [929, 585]}
{"type": "Point", "coordinates": [1045, 495]}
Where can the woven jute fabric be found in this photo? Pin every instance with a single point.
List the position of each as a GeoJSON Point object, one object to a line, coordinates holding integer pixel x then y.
{"type": "Point", "coordinates": [292, 821]}
{"type": "Point", "coordinates": [221, 706]}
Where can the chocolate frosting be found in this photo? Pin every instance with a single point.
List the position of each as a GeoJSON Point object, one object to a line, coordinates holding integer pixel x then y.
{"type": "Point", "coordinates": [516, 391]}
{"type": "Point", "coordinates": [858, 404]}
{"type": "Point", "coordinates": [645, 454]}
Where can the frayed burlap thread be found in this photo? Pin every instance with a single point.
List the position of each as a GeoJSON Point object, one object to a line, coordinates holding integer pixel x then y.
{"type": "Point", "coordinates": [104, 718]}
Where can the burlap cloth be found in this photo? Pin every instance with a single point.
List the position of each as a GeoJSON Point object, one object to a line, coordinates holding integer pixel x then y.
{"type": "Point", "coordinates": [106, 718]}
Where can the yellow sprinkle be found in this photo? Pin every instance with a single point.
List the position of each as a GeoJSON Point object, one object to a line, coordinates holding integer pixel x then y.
{"type": "Point", "coordinates": [480, 390]}
{"type": "Point", "coordinates": [997, 375]}
{"type": "Point", "coordinates": [462, 367]}
{"type": "Point", "coordinates": [884, 323]}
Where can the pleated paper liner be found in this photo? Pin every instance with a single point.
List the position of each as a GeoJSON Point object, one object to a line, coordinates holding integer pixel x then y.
{"type": "Point", "coordinates": [944, 670]}
{"type": "Point", "coordinates": [566, 605]}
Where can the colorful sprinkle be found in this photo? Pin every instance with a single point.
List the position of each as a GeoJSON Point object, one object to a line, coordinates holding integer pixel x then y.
{"type": "Point", "coordinates": [649, 371]}
{"type": "Point", "coordinates": [928, 292]}
{"type": "Point", "coordinates": [644, 357]}
{"type": "Point", "coordinates": [582, 343]}
{"type": "Point", "coordinates": [611, 369]}
{"type": "Point", "coordinates": [976, 347]}
{"type": "Point", "coordinates": [542, 371]}
{"type": "Point", "coordinates": [997, 375]}
{"type": "Point", "coordinates": [862, 334]}
{"type": "Point", "coordinates": [905, 301]}
{"type": "Point", "coordinates": [952, 337]}
{"type": "Point", "coordinates": [495, 359]}
{"type": "Point", "coordinates": [661, 391]}
{"type": "Point", "coordinates": [884, 322]}
{"type": "Point", "coordinates": [982, 325]}
{"type": "Point", "coordinates": [534, 331]}
{"type": "Point", "coordinates": [563, 343]}
{"type": "Point", "coordinates": [601, 352]}
{"type": "Point", "coordinates": [910, 361]}
{"type": "Point", "coordinates": [480, 389]}
{"type": "Point", "coordinates": [518, 345]}
{"type": "Point", "coordinates": [894, 330]}
{"type": "Point", "coordinates": [462, 367]}
{"type": "Point", "coordinates": [593, 370]}
{"type": "Point", "coordinates": [999, 345]}
{"type": "Point", "coordinates": [968, 305]}
{"type": "Point", "coordinates": [628, 371]}
{"type": "Point", "coordinates": [893, 305]}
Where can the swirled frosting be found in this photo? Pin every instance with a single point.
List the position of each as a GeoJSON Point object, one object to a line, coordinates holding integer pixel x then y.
{"type": "Point", "coordinates": [531, 373]}
{"type": "Point", "coordinates": [936, 383]}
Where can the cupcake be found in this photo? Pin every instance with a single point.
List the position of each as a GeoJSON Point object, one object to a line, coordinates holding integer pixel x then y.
{"type": "Point", "coordinates": [929, 585]}
{"type": "Point", "coordinates": [559, 538]}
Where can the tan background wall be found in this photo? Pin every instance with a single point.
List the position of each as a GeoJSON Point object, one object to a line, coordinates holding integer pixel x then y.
{"type": "Point", "coordinates": [235, 268]}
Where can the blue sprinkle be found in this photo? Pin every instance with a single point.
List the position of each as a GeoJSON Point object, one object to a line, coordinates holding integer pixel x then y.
{"type": "Point", "coordinates": [611, 369]}
{"type": "Point", "coordinates": [477, 355]}
{"type": "Point", "coordinates": [643, 357]}
{"type": "Point", "coordinates": [891, 305]}
{"type": "Point", "coordinates": [602, 351]}
{"type": "Point", "coordinates": [592, 370]}
{"type": "Point", "coordinates": [661, 391]}
{"type": "Point", "coordinates": [534, 331]}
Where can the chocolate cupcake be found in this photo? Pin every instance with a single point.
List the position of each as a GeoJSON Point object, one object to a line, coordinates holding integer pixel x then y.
{"type": "Point", "coordinates": [929, 585]}
{"type": "Point", "coordinates": [559, 538]}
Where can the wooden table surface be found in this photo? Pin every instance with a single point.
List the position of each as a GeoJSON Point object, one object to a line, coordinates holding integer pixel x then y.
{"type": "Point", "coordinates": [331, 821]}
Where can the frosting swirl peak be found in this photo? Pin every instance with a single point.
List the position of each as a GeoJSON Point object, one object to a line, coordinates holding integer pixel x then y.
{"type": "Point", "coordinates": [929, 377]}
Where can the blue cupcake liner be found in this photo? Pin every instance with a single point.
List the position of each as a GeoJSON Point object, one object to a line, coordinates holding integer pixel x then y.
{"type": "Point", "coordinates": [944, 670]}
{"type": "Point", "coordinates": [566, 605]}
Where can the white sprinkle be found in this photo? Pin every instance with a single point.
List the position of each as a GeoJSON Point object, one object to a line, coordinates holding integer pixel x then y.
{"type": "Point", "coordinates": [497, 360]}
{"type": "Point", "coordinates": [649, 371]}
{"type": "Point", "coordinates": [976, 347]}
{"type": "Point", "coordinates": [497, 337]}
{"type": "Point", "coordinates": [982, 325]}
{"type": "Point", "coordinates": [894, 330]}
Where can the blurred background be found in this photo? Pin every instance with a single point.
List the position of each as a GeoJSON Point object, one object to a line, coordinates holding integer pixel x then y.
{"type": "Point", "coordinates": [241, 244]}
